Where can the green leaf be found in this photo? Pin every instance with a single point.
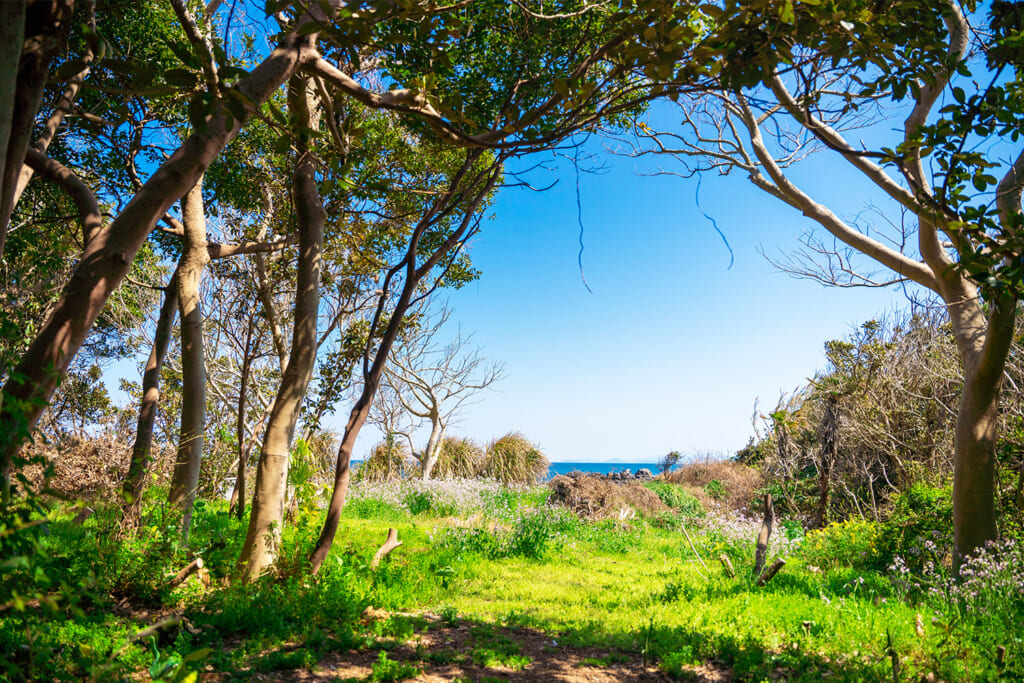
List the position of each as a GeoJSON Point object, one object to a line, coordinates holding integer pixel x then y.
{"type": "Point", "coordinates": [198, 654]}
{"type": "Point", "coordinates": [283, 144]}
{"type": "Point", "coordinates": [182, 78]}
{"type": "Point", "coordinates": [69, 69]}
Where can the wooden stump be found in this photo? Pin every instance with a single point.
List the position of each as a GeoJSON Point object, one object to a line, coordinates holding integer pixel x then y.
{"type": "Point", "coordinates": [390, 544]}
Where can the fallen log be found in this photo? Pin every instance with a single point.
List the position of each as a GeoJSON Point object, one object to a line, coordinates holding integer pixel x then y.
{"type": "Point", "coordinates": [187, 571]}
{"type": "Point", "coordinates": [770, 573]}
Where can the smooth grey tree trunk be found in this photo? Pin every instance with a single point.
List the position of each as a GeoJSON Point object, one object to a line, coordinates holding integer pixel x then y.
{"type": "Point", "coordinates": [191, 435]}
{"type": "Point", "coordinates": [262, 541]}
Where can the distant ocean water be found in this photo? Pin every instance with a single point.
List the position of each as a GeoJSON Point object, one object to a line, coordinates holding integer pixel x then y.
{"type": "Point", "coordinates": [589, 467]}
{"type": "Point", "coordinates": [600, 467]}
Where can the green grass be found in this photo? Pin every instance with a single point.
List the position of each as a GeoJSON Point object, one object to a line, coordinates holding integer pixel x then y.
{"type": "Point", "coordinates": [636, 591]}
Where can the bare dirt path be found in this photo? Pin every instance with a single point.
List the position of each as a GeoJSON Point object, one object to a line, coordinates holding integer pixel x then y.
{"type": "Point", "coordinates": [470, 651]}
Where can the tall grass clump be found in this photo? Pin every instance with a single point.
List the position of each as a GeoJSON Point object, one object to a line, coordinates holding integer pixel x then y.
{"type": "Point", "coordinates": [460, 458]}
{"type": "Point", "coordinates": [389, 460]}
{"type": "Point", "coordinates": [513, 459]}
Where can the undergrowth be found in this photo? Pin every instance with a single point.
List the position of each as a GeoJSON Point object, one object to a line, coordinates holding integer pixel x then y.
{"type": "Point", "coordinates": [639, 589]}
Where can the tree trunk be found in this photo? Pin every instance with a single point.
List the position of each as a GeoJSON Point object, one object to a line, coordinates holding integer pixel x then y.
{"type": "Point", "coordinates": [139, 467]}
{"type": "Point", "coordinates": [434, 446]}
{"type": "Point", "coordinates": [237, 504]}
{"type": "Point", "coordinates": [263, 537]}
{"type": "Point", "coordinates": [12, 37]}
{"type": "Point", "coordinates": [763, 536]}
{"type": "Point", "coordinates": [109, 254]}
{"type": "Point", "coordinates": [829, 436]}
{"type": "Point", "coordinates": [194, 258]}
{"type": "Point", "coordinates": [46, 26]}
{"type": "Point", "coordinates": [984, 346]}
{"type": "Point", "coordinates": [60, 111]}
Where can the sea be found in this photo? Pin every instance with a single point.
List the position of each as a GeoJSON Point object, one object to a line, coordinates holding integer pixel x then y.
{"type": "Point", "coordinates": [588, 467]}
{"type": "Point", "coordinates": [600, 467]}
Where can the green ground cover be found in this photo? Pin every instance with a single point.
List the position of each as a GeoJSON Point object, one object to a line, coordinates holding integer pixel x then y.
{"type": "Point", "coordinates": [498, 558]}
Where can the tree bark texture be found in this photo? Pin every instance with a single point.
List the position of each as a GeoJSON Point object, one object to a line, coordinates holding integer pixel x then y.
{"type": "Point", "coordinates": [142, 449]}
{"type": "Point", "coordinates": [974, 515]}
{"type": "Point", "coordinates": [109, 254]}
{"type": "Point", "coordinates": [262, 539]}
{"type": "Point", "coordinates": [46, 26]}
{"type": "Point", "coordinates": [12, 37]}
{"type": "Point", "coordinates": [192, 431]}
{"type": "Point", "coordinates": [60, 110]}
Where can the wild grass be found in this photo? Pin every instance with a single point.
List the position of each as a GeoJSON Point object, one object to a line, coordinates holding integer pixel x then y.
{"type": "Point", "coordinates": [513, 459]}
{"type": "Point", "coordinates": [388, 461]}
{"type": "Point", "coordinates": [635, 590]}
{"type": "Point", "coordinates": [460, 458]}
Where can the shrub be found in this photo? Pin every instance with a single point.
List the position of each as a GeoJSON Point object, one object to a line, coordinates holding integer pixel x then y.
{"type": "Point", "coordinates": [389, 460]}
{"type": "Point", "coordinates": [429, 502]}
{"type": "Point", "coordinates": [677, 498]}
{"type": "Point", "coordinates": [737, 483]}
{"type": "Point", "coordinates": [459, 459]}
{"type": "Point", "coordinates": [919, 527]}
{"type": "Point", "coordinates": [855, 543]}
{"type": "Point", "coordinates": [715, 489]}
{"type": "Point", "coordinates": [538, 531]}
{"type": "Point", "coordinates": [513, 459]}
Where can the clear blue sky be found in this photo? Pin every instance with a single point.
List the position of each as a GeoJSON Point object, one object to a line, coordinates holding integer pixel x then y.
{"type": "Point", "coordinates": [673, 347]}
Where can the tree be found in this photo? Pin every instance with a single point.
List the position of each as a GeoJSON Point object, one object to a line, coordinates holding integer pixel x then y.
{"type": "Point", "coordinates": [795, 78]}
{"type": "Point", "coordinates": [433, 382]}
{"type": "Point", "coordinates": [269, 495]}
{"type": "Point", "coordinates": [668, 461]}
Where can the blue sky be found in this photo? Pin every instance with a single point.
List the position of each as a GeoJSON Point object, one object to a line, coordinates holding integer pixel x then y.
{"type": "Point", "coordinates": [673, 347]}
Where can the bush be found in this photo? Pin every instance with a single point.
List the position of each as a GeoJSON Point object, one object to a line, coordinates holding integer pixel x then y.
{"type": "Point", "coordinates": [677, 498]}
{"type": "Point", "coordinates": [715, 489]}
{"type": "Point", "coordinates": [427, 502]}
{"type": "Point", "coordinates": [732, 484]}
{"type": "Point", "coordinates": [855, 543]}
{"type": "Point", "coordinates": [919, 526]}
{"type": "Point", "coordinates": [459, 459]}
{"type": "Point", "coordinates": [513, 459]}
{"type": "Point", "coordinates": [389, 460]}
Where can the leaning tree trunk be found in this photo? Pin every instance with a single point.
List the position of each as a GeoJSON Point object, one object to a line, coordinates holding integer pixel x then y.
{"type": "Point", "coordinates": [109, 254]}
{"type": "Point", "coordinates": [139, 467]}
{"type": "Point", "coordinates": [262, 540]}
{"type": "Point", "coordinates": [46, 24]}
{"type": "Point", "coordinates": [191, 435]}
{"type": "Point", "coordinates": [481, 185]}
{"type": "Point", "coordinates": [12, 37]}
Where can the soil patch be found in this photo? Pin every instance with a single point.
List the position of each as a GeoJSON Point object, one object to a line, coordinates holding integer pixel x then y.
{"type": "Point", "coordinates": [472, 651]}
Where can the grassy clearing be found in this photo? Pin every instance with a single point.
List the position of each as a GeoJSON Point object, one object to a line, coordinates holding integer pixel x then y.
{"type": "Point", "coordinates": [496, 566]}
